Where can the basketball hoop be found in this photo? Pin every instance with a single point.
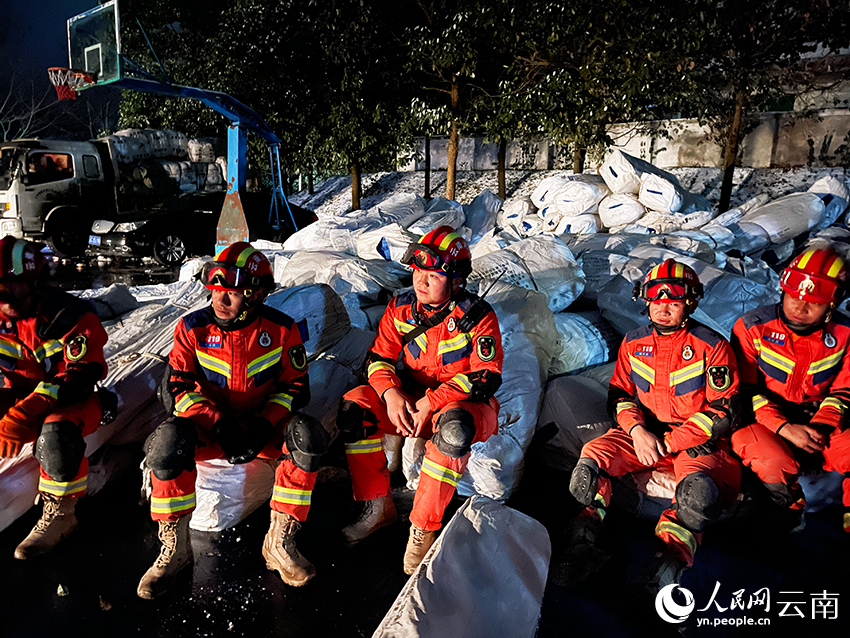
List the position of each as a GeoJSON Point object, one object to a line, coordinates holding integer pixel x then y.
{"type": "Point", "coordinates": [67, 81]}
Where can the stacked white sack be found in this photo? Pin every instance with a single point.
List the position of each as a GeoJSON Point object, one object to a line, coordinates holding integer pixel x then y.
{"type": "Point", "coordinates": [622, 172]}
{"type": "Point", "coordinates": [620, 209]}
{"type": "Point", "coordinates": [586, 340]}
{"type": "Point", "coordinates": [835, 196]}
{"type": "Point", "coordinates": [481, 214]}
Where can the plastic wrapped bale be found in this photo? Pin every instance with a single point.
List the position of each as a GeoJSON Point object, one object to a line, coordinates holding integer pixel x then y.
{"type": "Point", "coordinates": [492, 242]}
{"type": "Point", "coordinates": [201, 150]}
{"type": "Point", "coordinates": [835, 196]}
{"type": "Point", "coordinates": [622, 172]}
{"type": "Point", "coordinates": [514, 211]}
{"type": "Point", "coordinates": [576, 196]}
{"type": "Point", "coordinates": [661, 194]}
{"type": "Point", "coordinates": [600, 267]}
{"type": "Point", "coordinates": [387, 243]}
{"type": "Point", "coordinates": [485, 576]}
{"type": "Point", "coordinates": [619, 209]}
{"type": "Point", "coordinates": [586, 340]}
{"type": "Point", "coordinates": [438, 212]}
{"type": "Point", "coordinates": [542, 263]}
{"type": "Point", "coordinates": [109, 303]}
{"type": "Point", "coordinates": [530, 342]}
{"type": "Point", "coordinates": [787, 217]}
{"type": "Point", "coordinates": [320, 308]}
{"type": "Point", "coordinates": [158, 142]}
{"type": "Point", "coordinates": [226, 494]}
{"type": "Point", "coordinates": [178, 144]}
{"type": "Point", "coordinates": [576, 224]}
{"type": "Point", "coordinates": [481, 215]}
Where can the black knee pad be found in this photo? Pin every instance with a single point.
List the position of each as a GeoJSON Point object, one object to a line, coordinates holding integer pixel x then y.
{"type": "Point", "coordinates": [455, 433]}
{"type": "Point", "coordinates": [355, 422]}
{"type": "Point", "coordinates": [60, 449]}
{"type": "Point", "coordinates": [306, 440]}
{"type": "Point", "coordinates": [170, 449]}
{"type": "Point", "coordinates": [583, 481]}
{"type": "Point", "coordinates": [697, 501]}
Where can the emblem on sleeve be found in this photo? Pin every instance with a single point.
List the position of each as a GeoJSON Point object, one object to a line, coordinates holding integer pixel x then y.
{"type": "Point", "coordinates": [485, 346]}
{"type": "Point", "coordinates": [265, 340]}
{"type": "Point", "coordinates": [719, 378]}
{"type": "Point", "coordinates": [298, 357]}
{"type": "Point", "coordinates": [829, 340]}
{"type": "Point", "coordinates": [76, 348]}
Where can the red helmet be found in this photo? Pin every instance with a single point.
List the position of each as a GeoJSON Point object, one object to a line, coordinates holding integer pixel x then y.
{"type": "Point", "coordinates": [20, 259]}
{"type": "Point", "coordinates": [240, 266]}
{"type": "Point", "coordinates": [669, 281]}
{"type": "Point", "coordinates": [443, 250]}
{"type": "Point", "coordinates": [818, 275]}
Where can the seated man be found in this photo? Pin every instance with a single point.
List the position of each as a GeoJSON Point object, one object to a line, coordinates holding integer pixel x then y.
{"type": "Point", "coordinates": [451, 364]}
{"type": "Point", "coordinates": [795, 373]}
{"type": "Point", "coordinates": [238, 373]}
{"type": "Point", "coordinates": [674, 397]}
{"type": "Point", "coordinates": [51, 356]}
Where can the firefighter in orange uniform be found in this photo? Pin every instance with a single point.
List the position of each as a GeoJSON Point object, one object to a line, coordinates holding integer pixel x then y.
{"type": "Point", "coordinates": [51, 357]}
{"type": "Point", "coordinates": [795, 373]}
{"type": "Point", "coordinates": [450, 349]}
{"type": "Point", "coordinates": [674, 397]}
{"type": "Point", "coordinates": [238, 375]}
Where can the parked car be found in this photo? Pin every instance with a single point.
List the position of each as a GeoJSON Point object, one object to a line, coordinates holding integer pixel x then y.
{"type": "Point", "coordinates": [184, 227]}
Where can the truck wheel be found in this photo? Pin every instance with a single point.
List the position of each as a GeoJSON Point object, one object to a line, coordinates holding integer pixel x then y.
{"type": "Point", "coordinates": [67, 239]}
{"type": "Point", "coordinates": [169, 250]}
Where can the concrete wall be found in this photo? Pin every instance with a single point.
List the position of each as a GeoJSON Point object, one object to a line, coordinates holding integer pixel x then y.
{"type": "Point", "coordinates": [780, 139]}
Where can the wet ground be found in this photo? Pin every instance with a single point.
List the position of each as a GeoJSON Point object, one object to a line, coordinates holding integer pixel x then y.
{"type": "Point", "coordinates": [81, 274]}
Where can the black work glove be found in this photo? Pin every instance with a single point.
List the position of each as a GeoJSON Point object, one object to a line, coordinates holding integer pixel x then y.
{"type": "Point", "coordinates": [708, 447]}
{"type": "Point", "coordinates": [232, 439]}
{"type": "Point", "coordinates": [256, 436]}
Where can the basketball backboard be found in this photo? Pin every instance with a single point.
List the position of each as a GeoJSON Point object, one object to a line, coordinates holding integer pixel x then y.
{"type": "Point", "coordinates": [94, 43]}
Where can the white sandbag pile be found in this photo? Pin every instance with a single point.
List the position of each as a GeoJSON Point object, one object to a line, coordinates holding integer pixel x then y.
{"type": "Point", "coordinates": [586, 340]}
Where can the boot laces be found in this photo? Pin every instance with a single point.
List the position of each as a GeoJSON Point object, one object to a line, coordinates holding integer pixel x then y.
{"type": "Point", "coordinates": [168, 536]}
{"type": "Point", "coordinates": [417, 535]}
{"type": "Point", "coordinates": [50, 512]}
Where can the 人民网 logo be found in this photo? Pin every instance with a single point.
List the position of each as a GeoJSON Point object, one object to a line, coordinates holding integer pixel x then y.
{"type": "Point", "coordinates": [671, 611]}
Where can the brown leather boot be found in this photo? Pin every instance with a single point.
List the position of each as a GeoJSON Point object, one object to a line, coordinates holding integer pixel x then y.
{"type": "Point", "coordinates": [377, 513]}
{"type": "Point", "coordinates": [281, 554]}
{"type": "Point", "coordinates": [57, 521]}
{"type": "Point", "coordinates": [175, 554]}
{"type": "Point", "coordinates": [418, 544]}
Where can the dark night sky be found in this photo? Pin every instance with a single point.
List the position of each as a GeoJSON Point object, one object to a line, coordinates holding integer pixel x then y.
{"type": "Point", "coordinates": [33, 37]}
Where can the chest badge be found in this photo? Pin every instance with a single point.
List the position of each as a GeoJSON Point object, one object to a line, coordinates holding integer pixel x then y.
{"type": "Point", "coordinates": [76, 348]}
{"type": "Point", "coordinates": [687, 353]}
{"type": "Point", "coordinates": [450, 324]}
{"type": "Point", "coordinates": [265, 340]}
{"type": "Point", "coordinates": [829, 340]}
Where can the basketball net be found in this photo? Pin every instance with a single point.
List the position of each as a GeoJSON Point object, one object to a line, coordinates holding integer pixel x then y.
{"type": "Point", "coordinates": [67, 81]}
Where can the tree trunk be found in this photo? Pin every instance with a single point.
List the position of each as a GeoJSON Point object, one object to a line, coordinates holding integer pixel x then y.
{"type": "Point", "coordinates": [731, 151]}
{"type": "Point", "coordinates": [427, 167]}
{"type": "Point", "coordinates": [355, 186]}
{"type": "Point", "coordinates": [578, 160]}
{"type": "Point", "coordinates": [310, 188]}
{"type": "Point", "coordinates": [451, 168]}
{"type": "Point", "coordinates": [503, 151]}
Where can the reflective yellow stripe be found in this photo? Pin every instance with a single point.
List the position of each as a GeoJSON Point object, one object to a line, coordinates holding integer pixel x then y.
{"type": "Point", "coordinates": [759, 401]}
{"type": "Point", "coordinates": [440, 473]}
{"type": "Point", "coordinates": [291, 496]}
{"type": "Point", "coordinates": [58, 488]}
{"type": "Point", "coordinates": [453, 344]}
{"type": "Point", "coordinates": [48, 389]}
{"type": "Point", "coordinates": [365, 446]}
{"type": "Point", "coordinates": [775, 359]}
{"type": "Point", "coordinates": [379, 365]}
{"type": "Point", "coordinates": [625, 405]}
{"type": "Point", "coordinates": [599, 501]}
{"type": "Point", "coordinates": [189, 399]}
{"type": "Point", "coordinates": [827, 363]}
{"type": "Point", "coordinates": [173, 504]}
{"type": "Point", "coordinates": [757, 345]}
{"type": "Point", "coordinates": [703, 421]}
{"type": "Point", "coordinates": [9, 349]}
{"type": "Point", "coordinates": [403, 328]}
{"type": "Point", "coordinates": [835, 267]}
{"type": "Point", "coordinates": [448, 239]}
{"type": "Point", "coordinates": [422, 342]}
{"type": "Point", "coordinates": [642, 369]}
{"type": "Point", "coordinates": [211, 363]}
{"type": "Point", "coordinates": [47, 349]}
{"type": "Point", "coordinates": [265, 362]}
{"type": "Point", "coordinates": [281, 398]}
{"type": "Point", "coordinates": [463, 381]}
{"type": "Point", "coordinates": [832, 402]}
{"type": "Point", "coordinates": [689, 372]}
{"type": "Point", "coordinates": [679, 532]}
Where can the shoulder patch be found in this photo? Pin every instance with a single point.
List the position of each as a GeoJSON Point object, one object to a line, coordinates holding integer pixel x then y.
{"type": "Point", "coordinates": [719, 378]}
{"type": "Point", "coordinates": [760, 315]}
{"type": "Point", "coordinates": [298, 357]}
{"type": "Point", "coordinates": [485, 347]}
{"type": "Point", "coordinates": [706, 334]}
{"type": "Point", "coordinates": [638, 333]}
{"type": "Point", "coordinates": [198, 319]}
{"type": "Point", "coordinates": [76, 348]}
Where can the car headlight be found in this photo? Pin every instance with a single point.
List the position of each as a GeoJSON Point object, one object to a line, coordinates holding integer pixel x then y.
{"type": "Point", "coordinates": [129, 226]}
{"type": "Point", "coordinates": [101, 226]}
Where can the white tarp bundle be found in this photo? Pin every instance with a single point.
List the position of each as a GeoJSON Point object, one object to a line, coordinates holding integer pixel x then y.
{"type": "Point", "coordinates": [620, 209]}
{"type": "Point", "coordinates": [622, 172]}
{"type": "Point", "coordinates": [480, 215]}
{"type": "Point", "coordinates": [542, 263]}
{"type": "Point", "coordinates": [514, 211]}
{"type": "Point", "coordinates": [835, 196]}
{"type": "Point", "coordinates": [484, 577]}
{"type": "Point", "coordinates": [586, 340]}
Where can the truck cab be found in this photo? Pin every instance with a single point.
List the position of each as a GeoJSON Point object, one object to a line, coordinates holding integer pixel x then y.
{"type": "Point", "coordinates": [51, 190]}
